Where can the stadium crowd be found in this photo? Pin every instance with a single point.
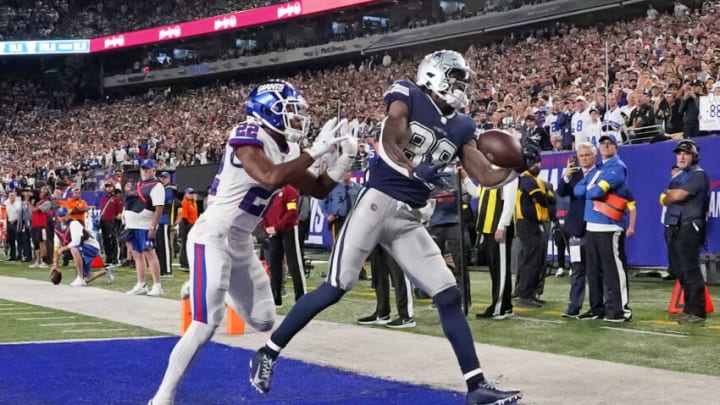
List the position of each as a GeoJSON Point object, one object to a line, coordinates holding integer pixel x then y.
{"type": "Point", "coordinates": [62, 19]}
{"type": "Point", "coordinates": [539, 74]}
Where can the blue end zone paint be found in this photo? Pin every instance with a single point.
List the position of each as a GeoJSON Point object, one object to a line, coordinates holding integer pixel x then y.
{"type": "Point", "coordinates": [129, 372]}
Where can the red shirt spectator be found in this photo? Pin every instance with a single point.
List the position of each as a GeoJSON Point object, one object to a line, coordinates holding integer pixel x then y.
{"type": "Point", "coordinates": [282, 214]}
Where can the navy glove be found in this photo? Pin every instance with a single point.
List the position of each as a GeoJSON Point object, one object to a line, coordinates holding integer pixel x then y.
{"type": "Point", "coordinates": [429, 173]}
{"type": "Point", "coordinates": [531, 153]}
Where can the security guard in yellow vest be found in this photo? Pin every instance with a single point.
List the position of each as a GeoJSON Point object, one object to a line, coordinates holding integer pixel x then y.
{"type": "Point", "coordinates": [495, 227]}
{"type": "Point", "coordinates": [531, 212]}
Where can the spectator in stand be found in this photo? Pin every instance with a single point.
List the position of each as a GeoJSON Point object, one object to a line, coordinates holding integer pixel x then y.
{"type": "Point", "coordinates": [690, 109]}
{"type": "Point", "coordinates": [580, 121]}
{"type": "Point", "coordinates": [536, 133]}
{"type": "Point", "coordinates": [111, 208]}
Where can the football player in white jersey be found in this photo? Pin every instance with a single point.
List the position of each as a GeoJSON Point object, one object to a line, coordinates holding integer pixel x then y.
{"type": "Point", "coordinates": [260, 157]}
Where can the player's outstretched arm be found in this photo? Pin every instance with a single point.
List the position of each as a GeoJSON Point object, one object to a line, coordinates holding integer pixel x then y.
{"type": "Point", "coordinates": [271, 176]}
{"type": "Point", "coordinates": [479, 168]}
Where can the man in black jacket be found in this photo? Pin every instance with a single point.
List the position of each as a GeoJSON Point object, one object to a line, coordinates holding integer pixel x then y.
{"type": "Point", "coordinates": [690, 109]}
{"type": "Point", "coordinates": [574, 226]}
{"type": "Point", "coordinates": [537, 133]}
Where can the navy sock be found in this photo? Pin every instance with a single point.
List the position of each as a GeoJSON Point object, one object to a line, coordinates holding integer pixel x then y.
{"type": "Point", "coordinates": [305, 310]}
{"type": "Point", "coordinates": [457, 330]}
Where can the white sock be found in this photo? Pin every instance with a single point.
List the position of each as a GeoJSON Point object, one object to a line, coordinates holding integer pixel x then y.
{"type": "Point", "coordinates": [194, 338]}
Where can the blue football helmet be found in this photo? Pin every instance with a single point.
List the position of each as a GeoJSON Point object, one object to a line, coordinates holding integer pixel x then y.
{"type": "Point", "coordinates": [277, 104]}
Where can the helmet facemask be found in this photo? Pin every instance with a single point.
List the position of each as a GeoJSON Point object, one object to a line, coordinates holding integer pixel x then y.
{"type": "Point", "coordinates": [448, 76]}
{"type": "Point", "coordinates": [294, 112]}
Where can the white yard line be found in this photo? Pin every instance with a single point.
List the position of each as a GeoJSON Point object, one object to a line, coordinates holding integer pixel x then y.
{"type": "Point", "coordinates": [80, 340]}
{"type": "Point", "coordinates": [27, 313]}
{"type": "Point", "coordinates": [647, 332]}
{"type": "Point", "coordinates": [70, 323]}
{"type": "Point", "coordinates": [92, 330]}
{"type": "Point", "coordinates": [46, 318]}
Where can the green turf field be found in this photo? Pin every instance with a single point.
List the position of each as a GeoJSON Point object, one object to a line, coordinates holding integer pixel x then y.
{"type": "Point", "coordinates": [20, 320]}
{"type": "Point", "coordinates": [650, 340]}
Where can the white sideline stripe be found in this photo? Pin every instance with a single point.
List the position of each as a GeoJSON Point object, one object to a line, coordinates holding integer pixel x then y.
{"type": "Point", "coordinates": [7, 305]}
{"type": "Point", "coordinates": [81, 340]}
{"type": "Point", "coordinates": [45, 318]}
{"type": "Point", "coordinates": [13, 309]}
{"type": "Point", "coordinates": [523, 318]}
{"type": "Point", "coordinates": [70, 323]}
{"type": "Point", "coordinates": [92, 330]}
{"type": "Point", "coordinates": [27, 313]}
{"type": "Point", "coordinates": [648, 332]}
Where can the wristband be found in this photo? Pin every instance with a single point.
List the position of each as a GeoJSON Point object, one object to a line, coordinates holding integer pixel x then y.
{"type": "Point", "coordinates": [662, 199]}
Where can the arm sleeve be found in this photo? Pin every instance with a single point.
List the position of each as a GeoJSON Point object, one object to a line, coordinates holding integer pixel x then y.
{"type": "Point", "coordinates": [245, 134]}
{"type": "Point", "coordinates": [609, 179]}
{"type": "Point", "coordinates": [157, 195]}
{"type": "Point", "coordinates": [399, 90]}
{"type": "Point", "coordinates": [509, 193]}
{"type": "Point", "coordinates": [76, 234]}
{"type": "Point", "coordinates": [289, 217]}
{"type": "Point", "coordinates": [580, 188]}
{"type": "Point", "coordinates": [45, 207]}
{"type": "Point", "coordinates": [696, 184]}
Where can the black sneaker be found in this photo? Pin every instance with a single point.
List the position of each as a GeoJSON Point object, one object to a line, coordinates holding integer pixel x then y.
{"type": "Point", "coordinates": [399, 322]}
{"type": "Point", "coordinates": [568, 314]}
{"type": "Point", "coordinates": [589, 315]}
{"type": "Point", "coordinates": [374, 320]}
{"type": "Point", "coordinates": [261, 368]}
{"type": "Point", "coordinates": [487, 394]}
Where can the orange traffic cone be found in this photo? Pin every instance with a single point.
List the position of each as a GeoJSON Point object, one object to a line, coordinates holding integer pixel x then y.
{"type": "Point", "coordinates": [185, 315]}
{"type": "Point", "coordinates": [235, 324]}
{"type": "Point", "coordinates": [677, 301]}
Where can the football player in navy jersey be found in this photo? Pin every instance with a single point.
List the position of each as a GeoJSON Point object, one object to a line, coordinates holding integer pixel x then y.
{"type": "Point", "coordinates": [261, 156]}
{"type": "Point", "coordinates": [422, 132]}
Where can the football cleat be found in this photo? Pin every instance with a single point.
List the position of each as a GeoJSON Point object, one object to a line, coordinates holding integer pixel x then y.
{"type": "Point", "coordinates": [261, 368]}
{"type": "Point", "coordinates": [487, 394]}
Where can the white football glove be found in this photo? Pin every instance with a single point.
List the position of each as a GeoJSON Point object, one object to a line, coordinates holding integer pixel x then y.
{"type": "Point", "coordinates": [349, 147]}
{"type": "Point", "coordinates": [330, 134]}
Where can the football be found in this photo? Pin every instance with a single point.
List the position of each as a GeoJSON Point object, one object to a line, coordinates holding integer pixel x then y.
{"type": "Point", "coordinates": [501, 148]}
{"type": "Point", "coordinates": [55, 276]}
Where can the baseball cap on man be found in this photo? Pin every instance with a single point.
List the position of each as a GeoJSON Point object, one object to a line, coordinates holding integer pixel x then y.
{"type": "Point", "coordinates": [688, 146]}
{"type": "Point", "coordinates": [165, 174]}
{"type": "Point", "coordinates": [148, 164]}
{"type": "Point", "coordinates": [189, 190]}
{"type": "Point", "coordinates": [608, 137]}
{"type": "Point", "coordinates": [580, 98]}
{"type": "Point", "coordinates": [61, 211]}
{"type": "Point", "coordinates": [697, 82]}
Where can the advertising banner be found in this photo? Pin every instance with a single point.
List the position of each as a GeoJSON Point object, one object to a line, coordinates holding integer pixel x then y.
{"type": "Point", "coordinates": [240, 19]}
{"type": "Point", "coordinates": [45, 47]}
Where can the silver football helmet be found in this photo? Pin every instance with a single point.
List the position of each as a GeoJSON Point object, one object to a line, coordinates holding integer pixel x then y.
{"type": "Point", "coordinates": [448, 75]}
